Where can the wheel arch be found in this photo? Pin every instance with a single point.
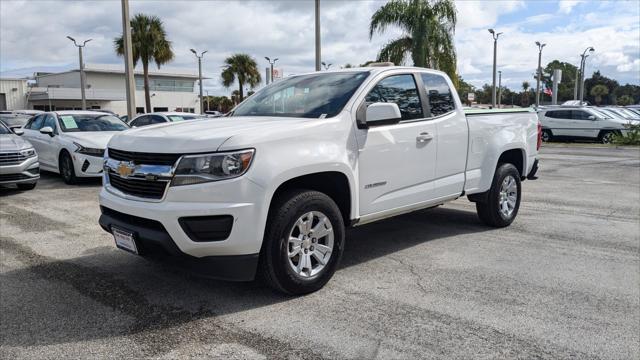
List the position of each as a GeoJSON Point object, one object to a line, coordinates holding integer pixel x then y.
{"type": "Point", "coordinates": [516, 157]}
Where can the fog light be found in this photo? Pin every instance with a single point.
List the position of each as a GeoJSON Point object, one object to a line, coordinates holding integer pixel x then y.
{"type": "Point", "coordinates": [85, 165]}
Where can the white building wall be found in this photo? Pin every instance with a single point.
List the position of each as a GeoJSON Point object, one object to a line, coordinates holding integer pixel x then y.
{"type": "Point", "coordinates": [16, 99]}
{"type": "Point", "coordinates": [66, 79]}
{"type": "Point", "coordinates": [169, 100]}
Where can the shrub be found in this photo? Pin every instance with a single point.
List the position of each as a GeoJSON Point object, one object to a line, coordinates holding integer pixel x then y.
{"type": "Point", "coordinates": [632, 137]}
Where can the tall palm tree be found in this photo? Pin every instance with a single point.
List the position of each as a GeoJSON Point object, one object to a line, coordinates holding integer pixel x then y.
{"type": "Point", "coordinates": [149, 44]}
{"type": "Point", "coordinates": [428, 25]}
{"type": "Point", "coordinates": [598, 92]}
{"type": "Point", "coordinates": [524, 98]}
{"type": "Point", "coordinates": [243, 69]}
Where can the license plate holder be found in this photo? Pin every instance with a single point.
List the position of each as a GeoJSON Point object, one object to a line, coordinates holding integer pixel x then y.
{"type": "Point", "coordinates": [124, 239]}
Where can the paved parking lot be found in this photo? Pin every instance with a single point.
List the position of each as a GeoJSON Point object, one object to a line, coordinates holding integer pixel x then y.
{"type": "Point", "coordinates": [563, 281]}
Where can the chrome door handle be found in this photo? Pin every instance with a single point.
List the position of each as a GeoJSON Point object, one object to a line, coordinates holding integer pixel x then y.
{"type": "Point", "coordinates": [424, 137]}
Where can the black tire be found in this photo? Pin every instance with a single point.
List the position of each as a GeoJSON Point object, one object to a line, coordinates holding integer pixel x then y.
{"type": "Point", "coordinates": [26, 186]}
{"type": "Point", "coordinates": [66, 169]}
{"type": "Point", "coordinates": [274, 266]}
{"type": "Point", "coordinates": [547, 135]}
{"type": "Point", "coordinates": [489, 210]}
{"type": "Point", "coordinates": [606, 137]}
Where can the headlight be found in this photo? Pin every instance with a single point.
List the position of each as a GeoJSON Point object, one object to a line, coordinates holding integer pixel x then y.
{"type": "Point", "coordinates": [30, 152]}
{"type": "Point", "coordinates": [88, 151]}
{"type": "Point", "coordinates": [195, 169]}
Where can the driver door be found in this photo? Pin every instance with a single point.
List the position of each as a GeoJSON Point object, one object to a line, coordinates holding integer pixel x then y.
{"type": "Point", "coordinates": [397, 162]}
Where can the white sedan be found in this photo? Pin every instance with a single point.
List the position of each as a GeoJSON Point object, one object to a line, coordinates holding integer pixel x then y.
{"type": "Point", "coordinates": [163, 117]}
{"type": "Point", "coordinates": [72, 143]}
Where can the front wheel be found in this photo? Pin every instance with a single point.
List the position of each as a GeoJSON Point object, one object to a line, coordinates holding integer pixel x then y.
{"type": "Point", "coordinates": [66, 169]}
{"type": "Point", "coordinates": [607, 137]}
{"type": "Point", "coordinates": [547, 135]}
{"type": "Point", "coordinates": [502, 202]}
{"type": "Point", "coordinates": [303, 242]}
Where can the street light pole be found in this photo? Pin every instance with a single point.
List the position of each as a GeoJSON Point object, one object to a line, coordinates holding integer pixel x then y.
{"type": "Point", "coordinates": [495, 55]}
{"type": "Point", "coordinates": [82, 78]}
{"type": "Point", "coordinates": [499, 89]}
{"type": "Point", "coordinates": [200, 76]}
{"type": "Point", "coordinates": [271, 63]}
{"type": "Point", "coordinates": [583, 63]}
{"type": "Point", "coordinates": [317, 15]}
{"type": "Point", "coordinates": [130, 84]}
{"type": "Point", "coordinates": [207, 91]}
{"type": "Point", "coordinates": [539, 72]}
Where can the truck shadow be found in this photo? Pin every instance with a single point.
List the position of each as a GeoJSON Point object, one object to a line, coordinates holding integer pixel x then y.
{"type": "Point", "coordinates": [107, 293]}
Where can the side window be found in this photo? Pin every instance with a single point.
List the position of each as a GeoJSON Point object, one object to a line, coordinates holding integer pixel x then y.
{"type": "Point", "coordinates": [439, 93]}
{"type": "Point", "coordinates": [559, 114]}
{"type": "Point", "coordinates": [156, 119]}
{"type": "Point", "coordinates": [550, 114]}
{"type": "Point", "coordinates": [579, 115]}
{"type": "Point", "coordinates": [36, 122]}
{"type": "Point", "coordinates": [50, 121]}
{"type": "Point", "coordinates": [141, 121]}
{"type": "Point", "coordinates": [399, 89]}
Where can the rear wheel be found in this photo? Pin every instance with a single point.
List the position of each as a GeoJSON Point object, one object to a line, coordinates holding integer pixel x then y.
{"type": "Point", "coordinates": [303, 242]}
{"type": "Point", "coordinates": [500, 206]}
{"type": "Point", "coordinates": [66, 169]}
{"type": "Point", "coordinates": [546, 135]}
{"type": "Point", "coordinates": [26, 186]}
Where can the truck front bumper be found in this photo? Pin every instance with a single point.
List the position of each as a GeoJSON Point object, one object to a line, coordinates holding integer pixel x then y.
{"type": "Point", "coordinates": [197, 226]}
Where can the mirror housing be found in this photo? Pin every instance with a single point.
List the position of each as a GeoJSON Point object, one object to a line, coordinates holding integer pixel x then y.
{"type": "Point", "coordinates": [47, 130]}
{"type": "Point", "coordinates": [382, 113]}
{"type": "Point", "coordinates": [18, 131]}
{"type": "Point", "coordinates": [591, 117]}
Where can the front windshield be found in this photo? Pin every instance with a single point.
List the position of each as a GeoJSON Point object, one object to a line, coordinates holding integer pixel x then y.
{"type": "Point", "coordinates": [3, 129]}
{"type": "Point", "coordinates": [91, 122]}
{"type": "Point", "coordinates": [308, 96]}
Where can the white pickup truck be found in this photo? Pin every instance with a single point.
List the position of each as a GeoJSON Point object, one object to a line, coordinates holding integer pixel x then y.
{"type": "Point", "coordinates": [269, 189]}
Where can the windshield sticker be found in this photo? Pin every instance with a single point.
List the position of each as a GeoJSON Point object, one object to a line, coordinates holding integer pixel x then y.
{"type": "Point", "coordinates": [69, 122]}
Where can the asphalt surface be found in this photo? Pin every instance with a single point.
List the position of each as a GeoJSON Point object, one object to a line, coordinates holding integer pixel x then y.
{"type": "Point", "coordinates": [562, 282]}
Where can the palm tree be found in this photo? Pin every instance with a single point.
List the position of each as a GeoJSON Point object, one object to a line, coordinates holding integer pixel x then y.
{"type": "Point", "coordinates": [149, 43]}
{"type": "Point", "coordinates": [598, 92]}
{"type": "Point", "coordinates": [524, 98]}
{"type": "Point", "coordinates": [429, 26]}
{"type": "Point", "coordinates": [243, 69]}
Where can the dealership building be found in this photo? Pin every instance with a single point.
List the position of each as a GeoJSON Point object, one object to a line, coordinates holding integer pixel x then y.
{"type": "Point", "coordinates": [170, 90]}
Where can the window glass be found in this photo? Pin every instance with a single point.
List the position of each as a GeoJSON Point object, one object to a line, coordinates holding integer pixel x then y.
{"type": "Point", "coordinates": [559, 114]}
{"type": "Point", "coordinates": [36, 123]}
{"type": "Point", "coordinates": [50, 121]}
{"type": "Point", "coordinates": [156, 119]}
{"type": "Point", "coordinates": [439, 93]}
{"type": "Point", "coordinates": [399, 89]}
{"type": "Point", "coordinates": [579, 115]}
{"type": "Point", "coordinates": [140, 121]}
{"type": "Point", "coordinates": [90, 122]}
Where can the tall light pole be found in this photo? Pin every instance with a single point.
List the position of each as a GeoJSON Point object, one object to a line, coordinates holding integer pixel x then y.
{"type": "Point", "coordinates": [495, 55]}
{"type": "Point", "coordinates": [207, 91]}
{"type": "Point", "coordinates": [539, 72]}
{"type": "Point", "coordinates": [583, 61]}
{"type": "Point", "coordinates": [130, 84]}
{"type": "Point", "coordinates": [499, 89]}
{"type": "Point", "coordinates": [326, 66]}
{"type": "Point", "coordinates": [317, 15]}
{"type": "Point", "coordinates": [271, 62]}
{"type": "Point", "coordinates": [82, 78]}
{"type": "Point", "coordinates": [200, 75]}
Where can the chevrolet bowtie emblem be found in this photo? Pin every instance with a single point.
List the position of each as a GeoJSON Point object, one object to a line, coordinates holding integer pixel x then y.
{"type": "Point", "coordinates": [125, 169]}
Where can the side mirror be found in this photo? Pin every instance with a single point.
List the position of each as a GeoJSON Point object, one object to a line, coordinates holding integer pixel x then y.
{"type": "Point", "coordinates": [47, 130]}
{"type": "Point", "coordinates": [591, 117]}
{"type": "Point", "coordinates": [382, 114]}
{"type": "Point", "coordinates": [18, 131]}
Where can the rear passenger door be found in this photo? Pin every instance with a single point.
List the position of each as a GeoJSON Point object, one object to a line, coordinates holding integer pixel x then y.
{"type": "Point", "coordinates": [32, 132]}
{"type": "Point", "coordinates": [560, 122]}
{"type": "Point", "coordinates": [453, 135]}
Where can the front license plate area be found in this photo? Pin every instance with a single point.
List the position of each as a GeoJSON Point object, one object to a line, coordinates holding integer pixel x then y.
{"type": "Point", "coordinates": [124, 240]}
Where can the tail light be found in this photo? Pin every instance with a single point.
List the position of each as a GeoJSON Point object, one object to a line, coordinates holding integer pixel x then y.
{"type": "Point", "coordinates": [539, 136]}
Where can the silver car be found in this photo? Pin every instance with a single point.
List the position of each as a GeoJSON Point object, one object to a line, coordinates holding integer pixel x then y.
{"type": "Point", "coordinates": [18, 160]}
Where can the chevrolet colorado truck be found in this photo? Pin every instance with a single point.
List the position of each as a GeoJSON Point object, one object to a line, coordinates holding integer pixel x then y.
{"type": "Point", "coordinates": [269, 189]}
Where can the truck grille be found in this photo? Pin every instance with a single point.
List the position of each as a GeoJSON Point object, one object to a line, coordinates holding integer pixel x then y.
{"type": "Point", "coordinates": [13, 158]}
{"type": "Point", "coordinates": [142, 188]}
{"type": "Point", "coordinates": [144, 158]}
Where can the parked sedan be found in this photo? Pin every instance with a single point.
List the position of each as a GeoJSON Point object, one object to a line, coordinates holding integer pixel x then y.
{"type": "Point", "coordinates": [13, 120]}
{"type": "Point", "coordinates": [18, 160]}
{"type": "Point", "coordinates": [72, 143]}
{"type": "Point", "coordinates": [163, 117]}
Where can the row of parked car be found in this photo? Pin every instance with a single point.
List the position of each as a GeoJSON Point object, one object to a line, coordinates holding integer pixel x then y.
{"type": "Point", "coordinates": [69, 143]}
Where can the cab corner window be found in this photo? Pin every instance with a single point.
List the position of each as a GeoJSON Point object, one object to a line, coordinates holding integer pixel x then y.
{"type": "Point", "coordinates": [401, 90]}
{"type": "Point", "coordinates": [439, 93]}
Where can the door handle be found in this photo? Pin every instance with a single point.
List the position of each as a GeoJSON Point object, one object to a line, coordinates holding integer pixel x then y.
{"type": "Point", "coordinates": [424, 137]}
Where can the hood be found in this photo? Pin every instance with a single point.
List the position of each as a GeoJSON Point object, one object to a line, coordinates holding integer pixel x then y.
{"type": "Point", "coordinates": [199, 136]}
{"type": "Point", "coordinates": [12, 142]}
{"type": "Point", "coordinates": [91, 139]}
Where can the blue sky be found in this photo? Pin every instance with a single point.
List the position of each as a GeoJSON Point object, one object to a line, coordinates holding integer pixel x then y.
{"type": "Point", "coordinates": [33, 34]}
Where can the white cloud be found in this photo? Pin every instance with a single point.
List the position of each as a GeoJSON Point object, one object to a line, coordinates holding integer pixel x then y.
{"type": "Point", "coordinates": [565, 6]}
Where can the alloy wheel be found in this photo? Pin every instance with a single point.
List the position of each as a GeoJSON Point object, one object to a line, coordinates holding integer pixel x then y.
{"type": "Point", "coordinates": [508, 196]}
{"type": "Point", "coordinates": [310, 244]}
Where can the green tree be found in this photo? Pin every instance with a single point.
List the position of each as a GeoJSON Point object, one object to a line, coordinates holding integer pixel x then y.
{"type": "Point", "coordinates": [243, 69]}
{"type": "Point", "coordinates": [464, 88]}
{"type": "Point", "coordinates": [524, 97]}
{"type": "Point", "coordinates": [598, 79]}
{"type": "Point", "coordinates": [567, 84]}
{"type": "Point", "coordinates": [598, 92]}
{"type": "Point", "coordinates": [149, 43]}
{"type": "Point", "coordinates": [428, 27]}
{"type": "Point", "coordinates": [628, 89]}
{"type": "Point", "coordinates": [624, 100]}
